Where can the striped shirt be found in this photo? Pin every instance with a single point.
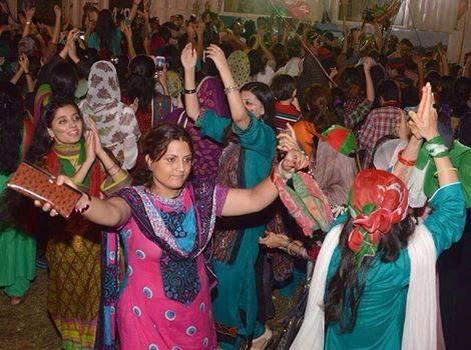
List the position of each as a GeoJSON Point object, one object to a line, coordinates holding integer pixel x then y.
{"type": "Point", "coordinates": [285, 114]}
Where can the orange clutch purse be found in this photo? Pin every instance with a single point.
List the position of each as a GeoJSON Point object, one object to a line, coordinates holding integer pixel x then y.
{"type": "Point", "coordinates": [36, 183]}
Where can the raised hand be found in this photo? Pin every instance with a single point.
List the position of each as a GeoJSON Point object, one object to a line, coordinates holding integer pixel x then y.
{"type": "Point", "coordinates": [30, 14]}
{"type": "Point", "coordinates": [426, 117]}
{"type": "Point", "coordinates": [57, 11]}
{"type": "Point", "coordinates": [188, 57]}
{"type": "Point", "coordinates": [23, 61]}
{"type": "Point", "coordinates": [368, 63]}
{"type": "Point", "coordinates": [90, 147]}
{"type": "Point", "coordinates": [92, 129]}
{"type": "Point", "coordinates": [127, 31]}
{"type": "Point", "coordinates": [215, 53]}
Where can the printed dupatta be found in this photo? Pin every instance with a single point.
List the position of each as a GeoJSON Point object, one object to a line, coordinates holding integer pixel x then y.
{"type": "Point", "coordinates": [113, 279]}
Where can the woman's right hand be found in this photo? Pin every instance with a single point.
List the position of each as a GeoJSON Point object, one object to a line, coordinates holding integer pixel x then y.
{"type": "Point", "coordinates": [426, 117]}
{"type": "Point", "coordinates": [81, 205]}
{"type": "Point", "coordinates": [188, 57]}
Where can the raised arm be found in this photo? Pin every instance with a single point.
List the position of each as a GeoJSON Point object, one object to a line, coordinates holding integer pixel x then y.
{"type": "Point", "coordinates": [426, 121]}
{"type": "Point", "coordinates": [127, 31]}
{"type": "Point", "coordinates": [188, 58]}
{"type": "Point", "coordinates": [370, 90]}
{"type": "Point", "coordinates": [29, 21]}
{"type": "Point", "coordinates": [238, 112]}
{"type": "Point", "coordinates": [57, 24]}
{"type": "Point", "coordinates": [134, 7]}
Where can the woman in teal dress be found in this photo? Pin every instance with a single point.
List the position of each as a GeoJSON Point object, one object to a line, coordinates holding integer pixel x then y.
{"type": "Point", "coordinates": [17, 248]}
{"type": "Point", "coordinates": [373, 285]}
{"type": "Point", "coordinates": [250, 152]}
{"type": "Point", "coordinates": [106, 36]}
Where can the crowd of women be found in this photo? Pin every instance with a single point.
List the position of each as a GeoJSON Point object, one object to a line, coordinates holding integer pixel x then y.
{"type": "Point", "coordinates": [219, 165]}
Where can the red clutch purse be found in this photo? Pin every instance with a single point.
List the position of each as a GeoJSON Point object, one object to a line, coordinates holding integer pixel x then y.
{"type": "Point", "coordinates": [36, 183]}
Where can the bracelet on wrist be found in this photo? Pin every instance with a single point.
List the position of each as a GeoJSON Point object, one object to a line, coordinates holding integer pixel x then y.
{"type": "Point", "coordinates": [404, 161]}
{"type": "Point", "coordinates": [231, 89]}
{"type": "Point", "coordinates": [444, 171]}
{"type": "Point", "coordinates": [189, 91]}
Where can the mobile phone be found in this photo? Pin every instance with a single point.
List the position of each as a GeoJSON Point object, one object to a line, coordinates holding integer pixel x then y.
{"type": "Point", "coordinates": [160, 63]}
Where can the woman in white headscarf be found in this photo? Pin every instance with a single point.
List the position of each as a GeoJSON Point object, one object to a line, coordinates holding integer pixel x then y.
{"type": "Point", "coordinates": [116, 122]}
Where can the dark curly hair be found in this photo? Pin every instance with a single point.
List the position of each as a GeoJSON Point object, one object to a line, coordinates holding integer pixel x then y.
{"type": "Point", "coordinates": [11, 126]}
{"type": "Point", "coordinates": [346, 287]}
{"type": "Point", "coordinates": [155, 143]}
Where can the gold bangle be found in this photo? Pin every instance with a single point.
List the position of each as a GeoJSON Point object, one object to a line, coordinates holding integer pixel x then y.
{"type": "Point", "coordinates": [444, 170]}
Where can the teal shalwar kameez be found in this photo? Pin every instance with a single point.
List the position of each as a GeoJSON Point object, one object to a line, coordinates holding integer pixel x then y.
{"type": "Point", "coordinates": [381, 311]}
{"type": "Point", "coordinates": [235, 300]}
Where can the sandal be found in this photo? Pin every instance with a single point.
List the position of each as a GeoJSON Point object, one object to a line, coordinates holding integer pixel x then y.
{"type": "Point", "coordinates": [15, 300]}
{"type": "Point", "coordinates": [262, 341]}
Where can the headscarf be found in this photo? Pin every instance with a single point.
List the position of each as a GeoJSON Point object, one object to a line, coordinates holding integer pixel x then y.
{"type": "Point", "coordinates": [116, 122]}
{"type": "Point", "coordinates": [340, 138]}
{"type": "Point", "coordinates": [239, 65]}
{"type": "Point", "coordinates": [378, 200]}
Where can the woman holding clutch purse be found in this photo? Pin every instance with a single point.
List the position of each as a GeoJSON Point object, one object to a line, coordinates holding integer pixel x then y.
{"type": "Point", "coordinates": [165, 225]}
{"type": "Point", "coordinates": [62, 146]}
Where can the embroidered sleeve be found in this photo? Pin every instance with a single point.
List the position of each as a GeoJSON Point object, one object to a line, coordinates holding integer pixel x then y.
{"type": "Point", "coordinates": [220, 195]}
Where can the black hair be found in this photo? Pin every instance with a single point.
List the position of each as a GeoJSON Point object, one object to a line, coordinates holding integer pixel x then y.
{"type": "Point", "coordinates": [63, 80]}
{"type": "Point", "coordinates": [389, 91]}
{"type": "Point", "coordinates": [283, 87]}
{"type": "Point", "coordinates": [11, 126]}
{"type": "Point", "coordinates": [346, 287]}
{"type": "Point", "coordinates": [461, 95]}
{"type": "Point", "coordinates": [155, 143]}
{"type": "Point", "coordinates": [265, 95]}
{"type": "Point", "coordinates": [280, 53]}
{"type": "Point", "coordinates": [410, 96]}
{"type": "Point", "coordinates": [105, 28]}
{"type": "Point", "coordinates": [140, 82]}
{"type": "Point", "coordinates": [41, 141]}
{"type": "Point", "coordinates": [434, 78]}
{"type": "Point", "coordinates": [257, 65]}
{"type": "Point", "coordinates": [351, 77]}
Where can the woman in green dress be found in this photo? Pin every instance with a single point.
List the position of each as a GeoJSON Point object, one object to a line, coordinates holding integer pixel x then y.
{"type": "Point", "coordinates": [17, 247]}
{"type": "Point", "coordinates": [62, 146]}
{"type": "Point", "coordinates": [374, 285]}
